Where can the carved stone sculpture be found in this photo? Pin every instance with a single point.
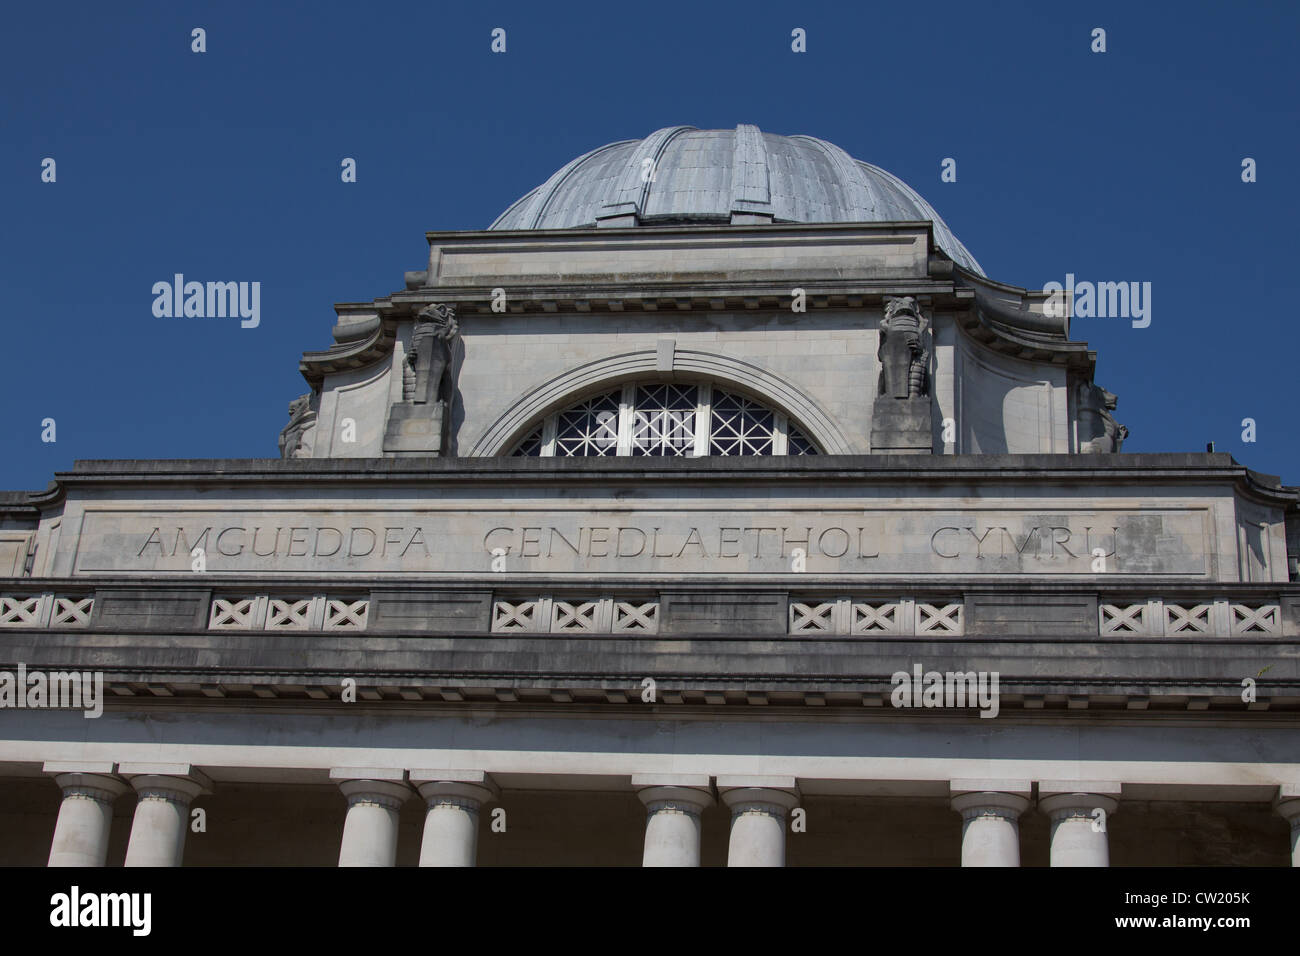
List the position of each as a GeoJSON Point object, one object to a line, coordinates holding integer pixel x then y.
{"type": "Point", "coordinates": [434, 337]}
{"type": "Point", "coordinates": [903, 355]}
{"type": "Point", "coordinates": [1099, 432]}
{"type": "Point", "coordinates": [419, 424]}
{"type": "Point", "coordinates": [901, 420]}
{"type": "Point", "coordinates": [408, 378]}
{"type": "Point", "coordinates": [301, 421]}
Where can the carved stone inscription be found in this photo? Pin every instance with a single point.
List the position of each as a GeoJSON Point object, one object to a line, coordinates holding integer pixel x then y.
{"type": "Point", "coordinates": [674, 542]}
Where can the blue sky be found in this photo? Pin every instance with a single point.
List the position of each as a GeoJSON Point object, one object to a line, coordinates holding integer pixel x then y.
{"type": "Point", "coordinates": [225, 166]}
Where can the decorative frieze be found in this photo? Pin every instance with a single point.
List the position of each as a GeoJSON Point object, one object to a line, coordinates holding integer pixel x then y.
{"type": "Point", "coordinates": [516, 615]}
{"type": "Point", "coordinates": [904, 617]}
{"type": "Point", "coordinates": [233, 614]}
{"type": "Point", "coordinates": [22, 611]}
{"type": "Point", "coordinates": [346, 615]}
{"type": "Point", "coordinates": [72, 611]}
{"type": "Point", "coordinates": [634, 616]}
{"type": "Point", "coordinates": [264, 613]}
{"type": "Point", "coordinates": [45, 610]}
{"type": "Point", "coordinates": [973, 615]}
{"type": "Point", "coordinates": [600, 615]}
{"type": "Point", "coordinates": [1158, 618]}
{"type": "Point", "coordinates": [289, 615]}
{"type": "Point", "coordinates": [1259, 619]}
{"type": "Point", "coordinates": [876, 618]}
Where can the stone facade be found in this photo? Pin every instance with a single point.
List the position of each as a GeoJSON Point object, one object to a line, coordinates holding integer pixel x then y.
{"type": "Point", "coordinates": [710, 305]}
{"type": "Point", "coordinates": [625, 543]}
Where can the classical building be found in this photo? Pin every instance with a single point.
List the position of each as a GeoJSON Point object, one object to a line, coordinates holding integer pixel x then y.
{"type": "Point", "coordinates": [711, 506]}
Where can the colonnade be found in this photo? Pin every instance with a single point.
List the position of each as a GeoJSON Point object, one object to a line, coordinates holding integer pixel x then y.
{"type": "Point", "coordinates": [162, 812]}
{"type": "Point", "coordinates": [760, 813]}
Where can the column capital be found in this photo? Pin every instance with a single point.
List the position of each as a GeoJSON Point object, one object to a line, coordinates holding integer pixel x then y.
{"type": "Point", "coordinates": [1062, 798]}
{"type": "Point", "coordinates": [685, 792]}
{"type": "Point", "coordinates": [1005, 798]}
{"type": "Point", "coordinates": [381, 793]}
{"type": "Point", "coordinates": [773, 795]}
{"type": "Point", "coordinates": [93, 786]}
{"type": "Point", "coordinates": [682, 799]}
{"type": "Point", "coordinates": [95, 777]}
{"type": "Point", "coordinates": [180, 782]}
{"type": "Point", "coordinates": [464, 788]}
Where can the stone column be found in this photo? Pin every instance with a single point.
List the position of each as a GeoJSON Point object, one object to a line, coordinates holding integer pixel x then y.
{"type": "Point", "coordinates": [759, 807]}
{"type": "Point", "coordinates": [1079, 832]}
{"type": "Point", "coordinates": [162, 811]}
{"type": "Point", "coordinates": [673, 806]}
{"type": "Point", "coordinates": [452, 799]}
{"type": "Point", "coordinates": [85, 815]}
{"type": "Point", "coordinates": [1288, 805]}
{"type": "Point", "coordinates": [375, 799]}
{"type": "Point", "coordinates": [990, 820]}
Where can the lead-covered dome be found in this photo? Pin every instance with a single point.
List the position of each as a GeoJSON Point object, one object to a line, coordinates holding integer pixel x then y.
{"type": "Point", "coordinates": [686, 175]}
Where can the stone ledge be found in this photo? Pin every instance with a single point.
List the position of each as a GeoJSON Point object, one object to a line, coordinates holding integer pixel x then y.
{"type": "Point", "coordinates": [510, 668]}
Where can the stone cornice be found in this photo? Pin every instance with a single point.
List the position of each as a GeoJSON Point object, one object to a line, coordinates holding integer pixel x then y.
{"type": "Point", "coordinates": [20, 505]}
{"type": "Point", "coordinates": [689, 232]}
{"type": "Point", "coordinates": [189, 473]}
{"type": "Point", "coordinates": [356, 345]}
{"type": "Point", "coordinates": [945, 469]}
{"type": "Point", "coordinates": [1002, 318]}
{"type": "Point", "coordinates": [1058, 675]}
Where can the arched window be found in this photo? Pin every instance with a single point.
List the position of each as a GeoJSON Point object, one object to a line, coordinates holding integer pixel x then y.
{"type": "Point", "coordinates": [665, 419]}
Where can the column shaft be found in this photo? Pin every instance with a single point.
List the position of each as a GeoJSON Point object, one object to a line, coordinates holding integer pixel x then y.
{"type": "Point", "coordinates": [370, 829]}
{"type": "Point", "coordinates": [162, 818]}
{"type": "Point", "coordinates": [452, 800]}
{"type": "Point", "coordinates": [85, 819]}
{"type": "Point", "coordinates": [1079, 831]}
{"type": "Point", "coordinates": [990, 829]}
{"type": "Point", "coordinates": [758, 820]}
{"type": "Point", "coordinates": [672, 826]}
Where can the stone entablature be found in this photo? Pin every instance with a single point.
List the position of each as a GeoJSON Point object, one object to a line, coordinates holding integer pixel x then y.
{"type": "Point", "coordinates": [410, 646]}
{"type": "Point", "coordinates": [833, 519]}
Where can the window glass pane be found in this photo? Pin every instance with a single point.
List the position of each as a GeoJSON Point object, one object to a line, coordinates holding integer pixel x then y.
{"type": "Point", "coordinates": [798, 442]}
{"type": "Point", "coordinates": [531, 446]}
{"type": "Point", "coordinates": [663, 420]}
{"type": "Point", "coordinates": [589, 429]}
{"type": "Point", "coordinates": [740, 426]}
